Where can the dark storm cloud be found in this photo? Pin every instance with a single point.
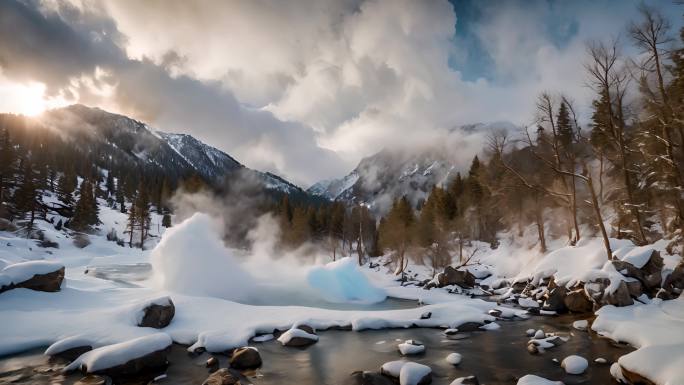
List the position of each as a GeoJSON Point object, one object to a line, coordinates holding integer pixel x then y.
{"type": "Point", "coordinates": [57, 45]}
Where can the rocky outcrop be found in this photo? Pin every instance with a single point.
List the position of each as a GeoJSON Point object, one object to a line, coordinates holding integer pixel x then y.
{"type": "Point", "coordinates": [49, 282]}
{"type": "Point", "coordinates": [245, 358]}
{"type": "Point", "coordinates": [158, 314]}
{"type": "Point", "coordinates": [451, 276]}
{"type": "Point", "coordinates": [222, 377]}
{"type": "Point", "coordinates": [620, 297]}
{"type": "Point", "coordinates": [555, 300]}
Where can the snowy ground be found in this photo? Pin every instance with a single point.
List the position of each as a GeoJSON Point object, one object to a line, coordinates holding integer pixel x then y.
{"type": "Point", "coordinates": [219, 293]}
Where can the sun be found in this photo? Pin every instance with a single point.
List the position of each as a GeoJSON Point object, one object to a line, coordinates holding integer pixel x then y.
{"type": "Point", "coordinates": [25, 98]}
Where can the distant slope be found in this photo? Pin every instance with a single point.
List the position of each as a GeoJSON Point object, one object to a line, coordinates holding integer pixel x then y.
{"type": "Point", "coordinates": [410, 172]}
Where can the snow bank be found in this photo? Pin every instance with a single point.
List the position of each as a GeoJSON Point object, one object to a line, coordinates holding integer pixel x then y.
{"type": "Point", "coordinates": [531, 379]}
{"type": "Point", "coordinates": [655, 329]}
{"type": "Point", "coordinates": [191, 259]}
{"type": "Point", "coordinates": [118, 354]}
{"type": "Point", "coordinates": [342, 281]}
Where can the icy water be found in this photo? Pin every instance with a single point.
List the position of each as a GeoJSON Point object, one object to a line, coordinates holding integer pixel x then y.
{"type": "Point", "coordinates": [495, 357]}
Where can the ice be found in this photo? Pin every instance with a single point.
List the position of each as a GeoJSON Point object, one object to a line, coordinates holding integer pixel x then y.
{"type": "Point", "coordinates": [454, 358]}
{"type": "Point", "coordinates": [531, 379]}
{"type": "Point", "coordinates": [113, 355]}
{"type": "Point", "coordinates": [412, 372]}
{"type": "Point", "coordinates": [574, 364]}
{"type": "Point", "coordinates": [342, 281]}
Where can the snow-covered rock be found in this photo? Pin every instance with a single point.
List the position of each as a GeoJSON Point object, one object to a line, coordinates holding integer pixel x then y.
{"type": "Point", "coordinates": [413, 373]}
{"type": "Point", "coordinates": [528, 302]}
{"type": "Point", "coordinates": [392, 368]}
{"type": "Point", "coordinates": [531, 379]}
{"type": "Point", "coordinates": [34, 275]}
{"type": "Point", "coordinates": [410, 347]}
{"type": "Point", "coordinates": [574, 364]}
{"type": "Point", "coordinates": [245, 358]}
{"type": "Point", "coordinates": [469, 380]}
{"type": "Point", "coordinates": [454, 358]}
{"type": "Point", "coordinates": [157, 313]}
{"type": "Point", "coordinates": [580, 324]}
{"type": "Point", "coordinates": [125, 358]}
{"type": "Point", "coordinates": [297, 337]}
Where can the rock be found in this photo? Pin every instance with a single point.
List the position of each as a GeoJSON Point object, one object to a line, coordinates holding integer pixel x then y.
{"type": "Point", "coordinates": [307, 328]}
{"type": "Point", "coordinates": [555, 300]}
{"type": "Point", "coordinates": [298, 337]}
{"type": "Point", "coordinates": [581, 325]}
{"type": "Point", "coordinates": [574, 364]}
{"type": "Point", "coordinates": [410, 347]}
{"type": "Point", "coordinates": [221, 377]}
{"type": "Point", "coordinates": [368, 378]}
{"type": "Point", "coordinates": [635, 378]}
{"type": "Point", "coordinates": [578, 301]}
{"type": "Point", "coordinates": [596, 289]}
{"type": "Point", "coordinates": [532, 348]}
{"type": "Point", "coordinates": [245, 358]}
{"type": "Point", "coordinates": [555, 340]}
{"type": "Point", "coordinates": [470, 380]}
{"type": "Point", "coordinates": [426, 315]}
{"type": "Point", "coordinates": [451, 332]}
{"type": "Point", "coordinates": [495, 313]}
{"type": "Point", "coordinates": [92, 379]}
{"type": "Point", "coordinates": [212, 362]}
{"type": "Point", "coordinates": [73, 353]}
{"type": "Point", "coordinates": [674, 283]}
{"type": "Point", "coordinates": [601, 360]}
{"type": "Point", "coordinates": [49, 282]}
{"type": "Point", "coordinates": [158, 314]}
{"type": "Point", "coordinates": [652, 270]}
{"type": "Point", "coordinates": [413, 373]}
{"type": "Point", "coordinates": [454, 358]}
{"type": "Point", "coordinates": [530, 332]}
{"type": "Point", "coordinates": [635, 288]}
{"type": "Point", "coordinates": [627, 269]}
{"type": "Point", "coordinates": [470, 327]}
{"type": "Point", "coordinates": [539, 334]}
{"type": "Point", "coordinates": [620, 297]}
{"type": "Point", "coordinates": [148, 363]}
{"type": "Point", "coordinates": [518, 287]}
{"type": "Point", "coordinates": [451, 276]}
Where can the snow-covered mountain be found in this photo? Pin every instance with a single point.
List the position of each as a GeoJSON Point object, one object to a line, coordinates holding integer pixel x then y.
{"type": "Point", "coordinates": [410, 172]}
{"type": "Point", "coordinates": [122, 139]}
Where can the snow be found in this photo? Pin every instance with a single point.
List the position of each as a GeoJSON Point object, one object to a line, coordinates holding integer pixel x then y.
{"type": "Point", "coordinates": [412, 372]}
{"type": "Point", "coordinates": [22, 271]}
{"type": "Point", "coordinates": [454, 358]}
{"type": "Point", "coordinates": [118, 354]}
{"type": "Point", "coordinates": [263, 338]}
{"type": "Point", "coordinates": [637, 256]}
{"type": "Point", "coordinates": [574, 364]}
{"type": "Point", "coordinates": [286, 337]}
{"type": "Point", "coordinates": [654, 329]}
{"type": "Point", "coordinates": [460, 380]}
{"type": "Point", "coordinates": [342, 281]}
{"type": "Point", "coordinates": [410, 347]}
{"type": "Point", "coordinates": [68, 343]}
{"type": "Point", "coordinates": [392, 368]}
{"type": "Point", "coordinates": [531, 379]}
{"type": "Point", "coordinates": [580, 324]}
{"type": "Point", "coordinates": [539, 334]}
{"type": "Point", "coordinates": [528, 302]}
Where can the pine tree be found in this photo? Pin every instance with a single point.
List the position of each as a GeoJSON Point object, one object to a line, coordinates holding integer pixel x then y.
{"type": "Point", "coordinates": [166, 220]}
{"type": "Point", "coordinates": [142, 211]}
{"type": "Point", "coordinates": [85, 213]}
{"type": "Point", "coordinates": [564, 126]}
{"type": "Point", "coordinates": [111, 191]}
{"type": "Point", "coordinates": [66, 185]}
{"type": "Point", "coordinates": [27, 197]}
{"type": "Point", "coordinates": [7, 160]}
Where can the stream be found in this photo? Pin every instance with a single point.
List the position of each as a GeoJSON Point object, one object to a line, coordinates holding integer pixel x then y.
{"type": "Point", "coordinates": [494, 356]}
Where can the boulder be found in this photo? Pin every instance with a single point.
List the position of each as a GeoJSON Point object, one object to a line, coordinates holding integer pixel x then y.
{"type": "Point", "coordinates": [158, 314]}
{"type": "Point", "coordinates": [306, 328]}
{"type": "Point", "coordinates": [578, 301]}
{"type": "Point", "coordinates": [148, 363]}
{"type": "Point", "coordinates": [620, 297]}
{"type": "Point", "coordinates": [674, 283]}
{"type": "Point", "coordinates": [298, 337]}
{"type": "Point", "coordinates": [470, 327]}
{"type": "Point", "coordinates": [49, 281]}
{"type": "Point", "coordinates": [635, 288]}
{"type": "Point", "coordinates": [451, 276]}
{"type": "Point", "coordinates": [555, 300]}
{"type": "Point", "coordinates": [368, 378]}
{"type": "Point", "coordinates": [245, 358]}
{"type": "Point", "coordinates": [653, 269]}
{"type": "Point", "coordinates": [627, 269]}
{"type": "Point", "coordinates": [222, 377]}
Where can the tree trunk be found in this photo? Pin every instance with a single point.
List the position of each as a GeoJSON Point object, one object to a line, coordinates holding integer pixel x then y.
{"type": "Point", "coordinates": [599, 217]}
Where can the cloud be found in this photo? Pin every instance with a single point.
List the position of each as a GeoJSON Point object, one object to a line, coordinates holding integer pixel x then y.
{"type": "Point", "coordinates": [307, 88]}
